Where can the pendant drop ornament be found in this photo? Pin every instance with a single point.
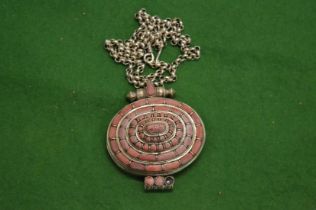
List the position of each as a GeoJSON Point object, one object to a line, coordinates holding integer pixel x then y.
{"type": "Point", "coordinates": [154, 136]}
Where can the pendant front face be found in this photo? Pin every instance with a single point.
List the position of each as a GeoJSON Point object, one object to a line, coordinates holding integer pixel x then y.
{"type": "Point", "coordinates": [155, 136]}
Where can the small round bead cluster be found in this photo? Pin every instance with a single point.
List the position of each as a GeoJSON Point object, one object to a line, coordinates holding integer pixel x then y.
{"type": "Point", "coordinates": [158, 183]}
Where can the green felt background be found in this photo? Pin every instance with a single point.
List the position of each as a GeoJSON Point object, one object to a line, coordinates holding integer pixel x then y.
{"type": "Point", "coordinates": [254, 87]}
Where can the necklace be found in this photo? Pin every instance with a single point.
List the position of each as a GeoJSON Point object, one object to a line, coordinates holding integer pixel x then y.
{"type": "Point", "coordinates": [154, 136]}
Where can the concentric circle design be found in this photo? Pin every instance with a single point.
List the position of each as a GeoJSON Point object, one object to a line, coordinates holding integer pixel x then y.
{"type": "Point", "coordinates": [155, 136]}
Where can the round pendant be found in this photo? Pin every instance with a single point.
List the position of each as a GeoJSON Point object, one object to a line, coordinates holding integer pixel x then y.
{"type": "Point", "coordinates": [155, 136]}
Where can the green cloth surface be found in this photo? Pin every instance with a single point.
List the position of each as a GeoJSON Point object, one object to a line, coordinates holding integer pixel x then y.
{"type": "Point", "coordinates": [254, 87]}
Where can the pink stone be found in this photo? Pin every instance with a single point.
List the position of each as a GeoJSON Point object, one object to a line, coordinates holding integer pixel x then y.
{"type": "Point", "coordinates": [145, 147]}
{"type": "Point", "coordinates": [180, 150]}
{"type": "Point", "coordinates": [174, 142]}
{"type": "Point", "coordinates": [179, 133]}
{"type": "Point", "coordinates": [116, 120]}
{"type": "Point", "coordinates": [147, 157]}
{"type": "Point", "coordinates": [153, 147]}
{"type": "Point", "coordinates": [150, 89]}
{"type": "Point", "coordinates": [162, 108]}
{"type": "Point", "coordinates": [186, 119]}
{"type": "Point", "coordinates": [159, 181]}
{"type": "Point", "coordinates": [122, 158]}
{"type": "Point", "coordinates": [133, 139]}
{"type": "Point", "coordinates": [132, 152]}
{"type": "Point", "coordinates": [149, 181]}
{"type": "Point", "coordinates": [133, 123]}
{"type": "Point", "coordinates": [124, 123]}
{"type": "Point", "coordinates": [114, 146]}
{"type": "Point", "coordinates": [139, 103]}
{"type": "Point", "coordinates": [160, 147]}
{"type": "Point", "coordinates": [189, 130]}
{"type": "Point", "coordinates": [141, 136]}
{"type": "Point", "coordinates": [137, 166]}
{"type": "Point", "coordinates": [196, 147]}
{"type": "Point", "coordinates": [153, 168]}
{"type": "Point", "coordinates": [187, 141]}
{"type": "Point", "coordinates": [199, 132]}
{"type": "Point", "coordinates": [146, 138]}
{"type": "Point", "coordinates": [155, 128]}
{"type": "Point", "coordinates": [185, 159]}
{"type": "Point", "coordinates": [155, 138]}
{"type": "Point", "coordinates": [196, 118]}
{"type": "Point", "coordinates": [131, 131]}
{"type": "Point", "coordinates": [145, 109]}
{"type": "Point", "coordinates": [122, 133]}
{"type": "Point", "coordinates": [166, 156]}
{"type": "Point", "coordinates": [167, 145]}
{"type": "Point", "coordinates": [125, 110]}
{"type": "Point", "coordinates": [139, 145]}
{"type": "Point", "coordinates": [132, 114]}
{"type": "Point", "coordinates": [179, 125]}
{"type": "Point", "coordinates": [187, 108]}
{"type": "Point", "coordinates": [124, 144]}
{"type": "Point", "coordinates": [176, 111]}
{"type": "Point", "coordinates": [112, 133]}
{"type": "Point", "coordinates": [171, 166]}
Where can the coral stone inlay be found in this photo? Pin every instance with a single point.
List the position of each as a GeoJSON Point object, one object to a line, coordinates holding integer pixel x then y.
{"type": "Point", "coordinates": [155, 136]}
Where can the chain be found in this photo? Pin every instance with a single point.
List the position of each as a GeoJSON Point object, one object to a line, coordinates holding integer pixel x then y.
{"type": "Point", "coordinates": [137, 51]}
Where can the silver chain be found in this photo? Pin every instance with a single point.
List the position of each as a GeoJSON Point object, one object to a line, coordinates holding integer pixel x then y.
{"type": "Point", "coordinates": [137, 51]}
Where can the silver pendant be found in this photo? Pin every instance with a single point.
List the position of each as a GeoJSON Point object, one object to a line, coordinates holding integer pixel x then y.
{"type": "Point", "coordinates": [155, 137]}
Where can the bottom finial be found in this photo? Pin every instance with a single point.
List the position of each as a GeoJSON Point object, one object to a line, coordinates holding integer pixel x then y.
{"type": "Point", "coordinates": [159, 183]}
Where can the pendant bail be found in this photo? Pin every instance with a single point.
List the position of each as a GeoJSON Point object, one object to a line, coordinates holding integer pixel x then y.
{"type": "Point", "coordinates": [150, 91]}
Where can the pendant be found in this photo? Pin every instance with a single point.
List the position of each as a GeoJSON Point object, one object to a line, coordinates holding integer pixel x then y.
{"type": "Point", "coordinates": [155, 136]}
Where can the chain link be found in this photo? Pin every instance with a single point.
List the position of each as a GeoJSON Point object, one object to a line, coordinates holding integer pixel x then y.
{"type": "Point", "coordinates": [137, 51]}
